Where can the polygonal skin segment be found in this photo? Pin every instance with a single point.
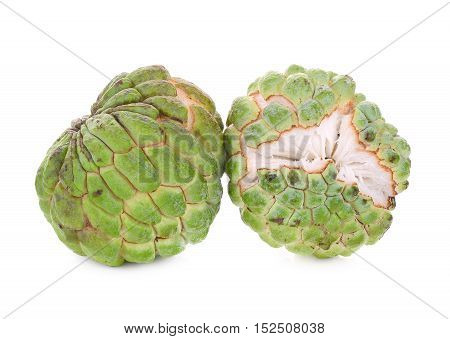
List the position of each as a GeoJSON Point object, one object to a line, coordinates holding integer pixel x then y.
{"type": "Point", "coordinates": [140, 177]}
{"type": "Point", "coordinates": [317, 212]}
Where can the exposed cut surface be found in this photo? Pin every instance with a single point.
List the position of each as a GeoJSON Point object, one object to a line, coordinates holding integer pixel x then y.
{"type": "Point", "coordinates": [311, 149]}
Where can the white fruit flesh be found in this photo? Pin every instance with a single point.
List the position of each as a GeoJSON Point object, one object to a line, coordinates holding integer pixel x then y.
{"type": "Point", "coordinates": [334, 140]}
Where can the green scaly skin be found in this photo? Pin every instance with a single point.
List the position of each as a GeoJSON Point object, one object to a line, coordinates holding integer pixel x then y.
{"type": "Point", "coordinates": [140, 177]}
{"type": "Point", "coordinates": [310, 214]}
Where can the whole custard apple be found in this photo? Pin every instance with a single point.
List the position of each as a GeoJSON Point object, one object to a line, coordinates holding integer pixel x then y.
{"type": "Point", "coordinates": [312, 165]}
{"type": "Point", "coordinates": [140, 176]}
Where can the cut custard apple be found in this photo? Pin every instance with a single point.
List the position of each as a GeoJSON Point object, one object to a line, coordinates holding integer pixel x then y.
{"type": "Point", "coordinates": [140, 176]}
{"type": "Point", "coordinates": [313, 166]}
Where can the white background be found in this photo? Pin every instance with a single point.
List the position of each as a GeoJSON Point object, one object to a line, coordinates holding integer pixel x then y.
{"type": "Point", "coordinates": [232, 277]}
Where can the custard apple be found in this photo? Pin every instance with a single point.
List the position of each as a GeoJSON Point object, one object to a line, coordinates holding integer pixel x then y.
{"type": "Point", "coordinates": [313, 166]}
{"type": "Point", "coordinates": [139, 177]}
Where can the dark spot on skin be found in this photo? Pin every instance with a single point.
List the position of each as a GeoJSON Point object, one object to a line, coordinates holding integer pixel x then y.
{"type": "Point", "coordinates": [394, 158]}
{"type": "Point", "coordinates": [271, 176]}
{"type": "Point", "coordinates": [97, 193]}
{"type": "Point", "coordinates": [333, 175]}
{"type": "Point", "coordinates": [370, 136]}
{"type": "Point", "coordinates": [297, 222]}
{"type": "Point", "coordinates": [142, 118]}
{"type": "Point", "coordinates": [293, 178]}
{"type": "Point", "coordinates": [364, 201]}
{"type": "Point", "coordinates": [338, 135]}
{"type": "Point", "coordinates": [354, 191]}
{"type": "Point", "coordinates": [57, 151]}
{"type": "Point", "coordinates": [392, 204]}
{"type": "Point", "coordinates": [278, 221]}
{"type": "Point", "coordinates": [60, 226]}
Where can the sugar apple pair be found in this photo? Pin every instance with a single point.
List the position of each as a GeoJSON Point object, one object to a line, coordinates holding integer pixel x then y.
{"type": "Point", "coordinates": [312, 166]}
